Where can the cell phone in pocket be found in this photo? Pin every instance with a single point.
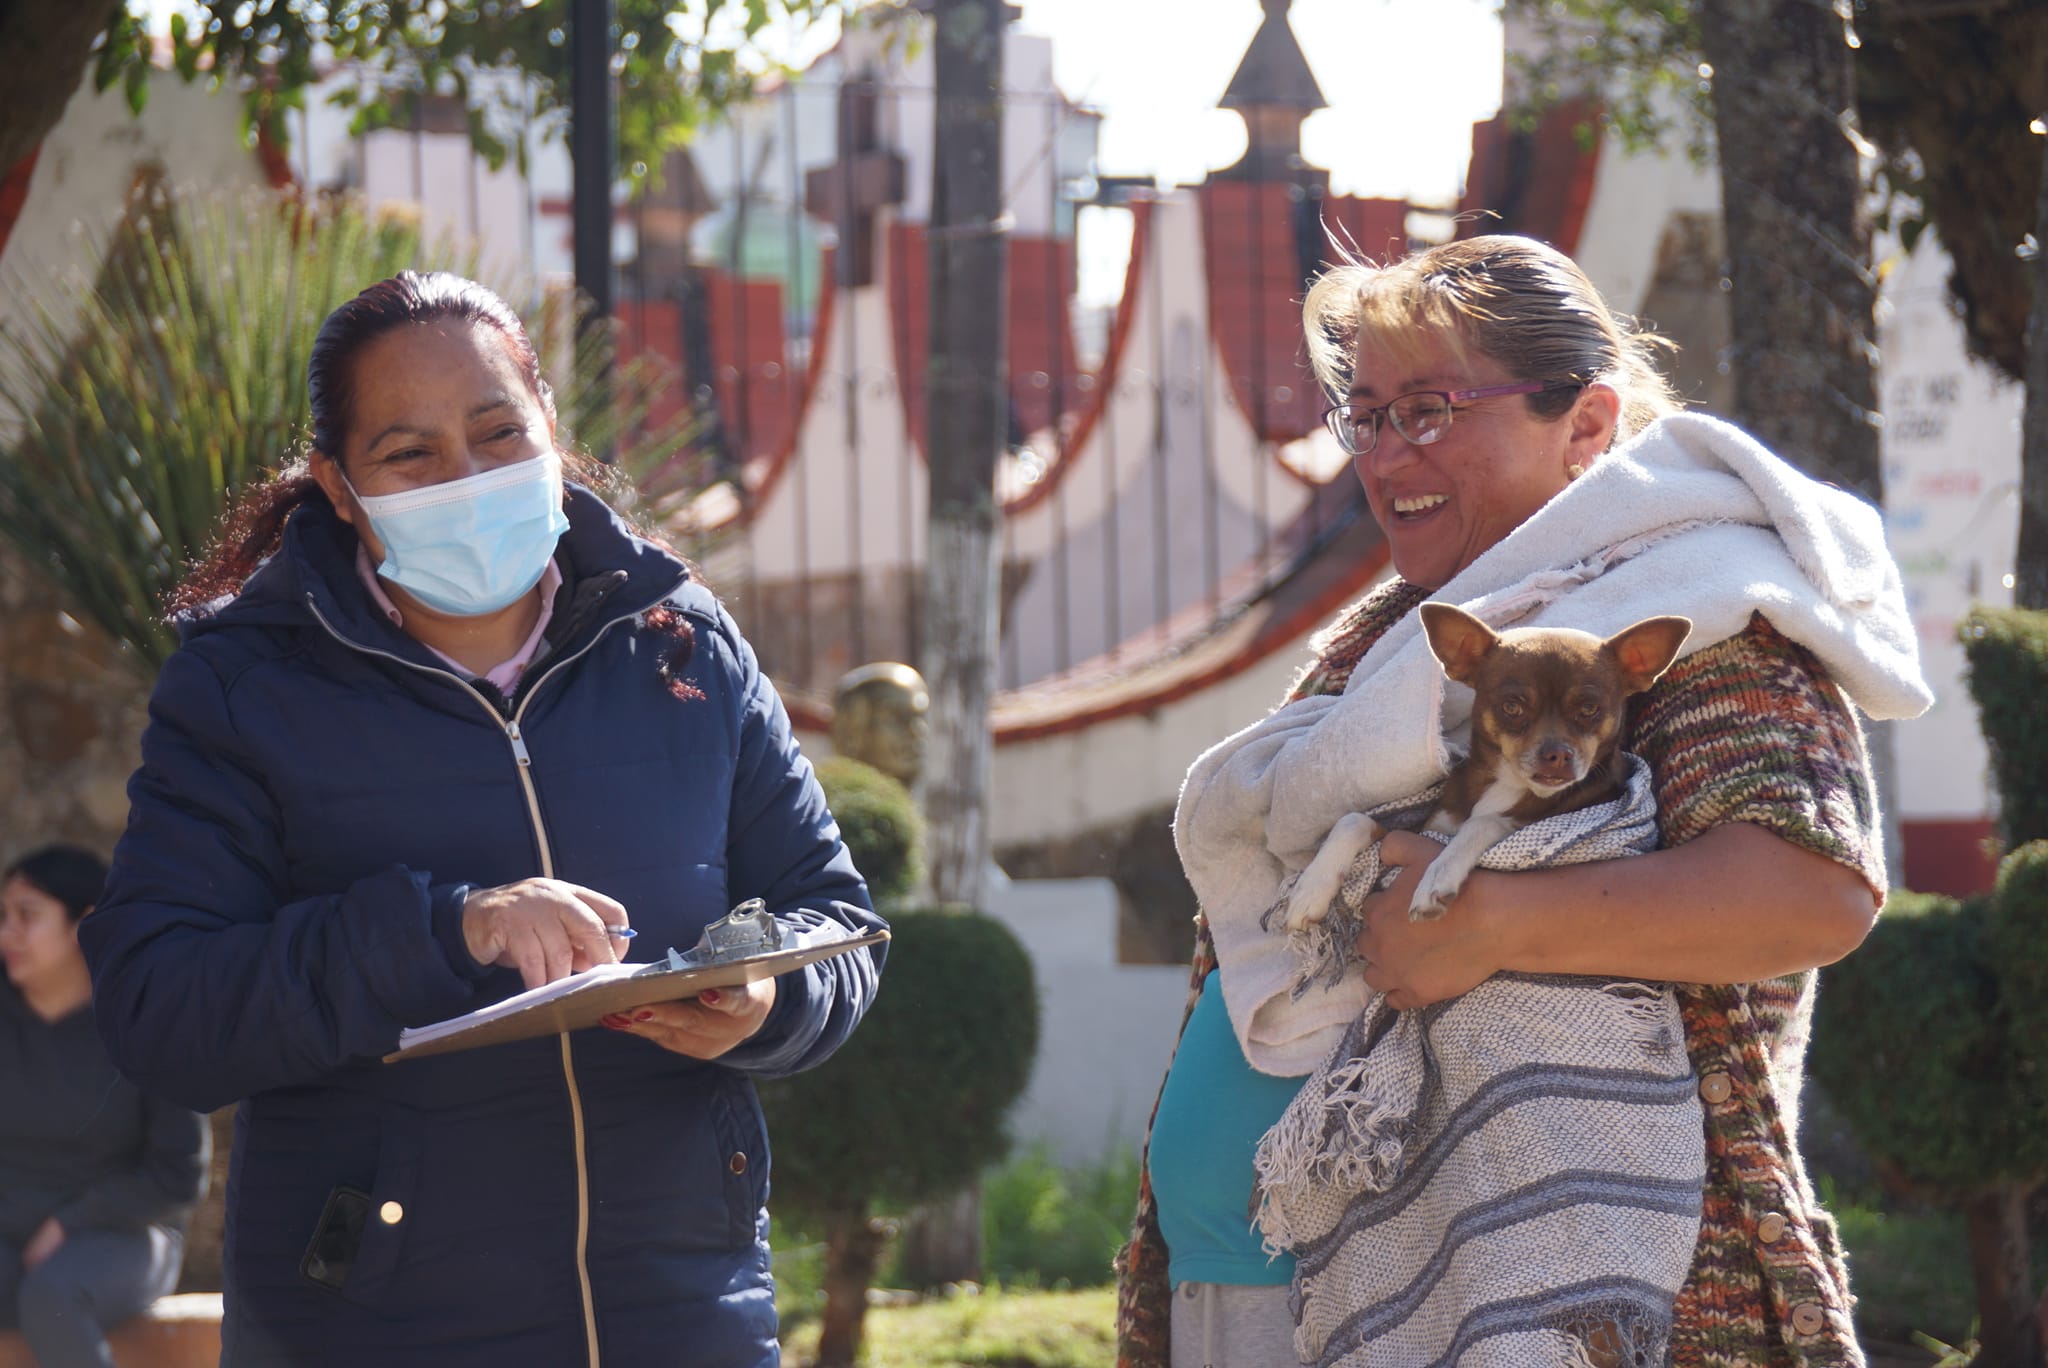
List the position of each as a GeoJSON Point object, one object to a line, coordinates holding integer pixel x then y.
{"type": "Point", "coordinates": [332, 1250]}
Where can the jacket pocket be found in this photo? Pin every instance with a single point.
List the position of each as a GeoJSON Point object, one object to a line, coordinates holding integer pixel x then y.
{"type": "Point", "coordinates": [743, 1145]}
{"type": "Point", "coordinates": [390, 1217]}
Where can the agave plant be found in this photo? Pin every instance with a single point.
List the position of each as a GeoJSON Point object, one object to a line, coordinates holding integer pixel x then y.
{"type": "Point", "coordinates": [134, 406]}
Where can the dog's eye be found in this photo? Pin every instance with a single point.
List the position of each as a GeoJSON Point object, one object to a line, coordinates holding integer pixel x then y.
{"type": "Point", "coordinates": [1513, 708]}
{"type": "Point", "coordinates": [1587, 712]}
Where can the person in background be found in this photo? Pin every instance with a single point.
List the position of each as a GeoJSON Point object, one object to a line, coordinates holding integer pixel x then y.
{"type": "Point", "coordinates": [96, 1176]}
{"type": "Point", "coordinates": [444, 727]}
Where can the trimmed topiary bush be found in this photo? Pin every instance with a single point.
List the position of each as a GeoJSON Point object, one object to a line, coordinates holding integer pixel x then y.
{"type": "Point", "coordinates": [2016, 938]}
{"type": "Point", "coordinates": [1931, 1037]}
{"type": "Point", "coordinates": [2008, 654]}
{"type": "Point", "coordinates": [1910, 1043]}
{"type": "Point", "coordinates": [880, 824]}
{"type": "Point", "coordinates": [912, 1109]}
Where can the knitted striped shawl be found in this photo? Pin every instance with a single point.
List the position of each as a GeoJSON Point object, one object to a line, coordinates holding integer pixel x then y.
{"type": "Point", "coordinates": [1494, 1179]}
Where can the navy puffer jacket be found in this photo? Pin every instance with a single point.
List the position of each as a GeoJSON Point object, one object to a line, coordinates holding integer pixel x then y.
{"type": "Point", "coordinates": [317, 794]}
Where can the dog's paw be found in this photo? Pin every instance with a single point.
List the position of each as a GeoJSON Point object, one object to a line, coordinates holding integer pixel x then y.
{"type": "Point", "coordinates": [1433, 896]}
{"type": "Point", "coordinates": [1310, 899]}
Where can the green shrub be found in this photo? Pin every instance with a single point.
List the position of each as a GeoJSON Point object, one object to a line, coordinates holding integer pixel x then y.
{"type": "Point", "coordinates": [1910, 1266]}
{"type": "Point", "coordinates": [2008, 654]}
{"type": "Point", "coordinates": [879, 823]}
{"type": "Point", "coordinates": [1048, 1226]}
{"type": "Point", "coordinates": [2016, 937]}
{"type": "Point", "coordinates": [1910, 1042]}
{"type": "Point", "coordinates": [912, 1109]}
{"type": "Point", "coordinates": [799, 1258]}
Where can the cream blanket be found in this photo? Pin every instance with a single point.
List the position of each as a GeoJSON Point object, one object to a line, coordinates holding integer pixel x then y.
{"type": "Point", "coordinates": [1693, 516]}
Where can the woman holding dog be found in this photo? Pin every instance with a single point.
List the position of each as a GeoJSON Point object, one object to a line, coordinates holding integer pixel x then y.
{"type": "Point", "coordinates": [1527, 462]}
{"type": "Point", "coordinates": [443, 727]}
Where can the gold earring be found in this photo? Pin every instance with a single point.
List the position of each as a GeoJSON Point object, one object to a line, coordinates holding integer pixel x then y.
{"type": "Point", "coordinates": [1573, 471]}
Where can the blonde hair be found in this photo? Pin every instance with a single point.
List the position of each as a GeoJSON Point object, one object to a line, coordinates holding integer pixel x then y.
{"type": "Point", "coordinates": [1514, 300]}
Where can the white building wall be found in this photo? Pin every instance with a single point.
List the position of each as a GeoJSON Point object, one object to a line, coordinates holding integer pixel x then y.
{"type": "Point", "coordinates": [1952, 469]}
{"type": "Point", "coordinates": [89, 163]}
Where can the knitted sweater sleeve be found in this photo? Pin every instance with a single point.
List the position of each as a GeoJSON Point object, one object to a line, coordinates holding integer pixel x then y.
{"type": "Point", "coordinates": [1751, 729]}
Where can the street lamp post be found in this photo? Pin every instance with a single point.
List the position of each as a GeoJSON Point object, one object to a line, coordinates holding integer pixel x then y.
{"type": "Point", "coordinates": [591, 151]}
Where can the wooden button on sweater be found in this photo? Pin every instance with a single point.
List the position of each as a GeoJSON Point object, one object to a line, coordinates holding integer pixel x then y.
{"type": "Point", "coordinates": [1771, 1227]}
{"type": "Point", "coordinates": [1808, 1318]}
{"type": "Point", "coordinates": [1716, 1088]}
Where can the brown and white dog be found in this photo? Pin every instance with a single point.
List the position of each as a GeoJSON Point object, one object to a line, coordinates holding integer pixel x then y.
{"type": "Point", "coordinates": [1547, 712]}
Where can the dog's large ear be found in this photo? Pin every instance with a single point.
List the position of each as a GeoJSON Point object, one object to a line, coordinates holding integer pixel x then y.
{"type": "Point", "coordinates": [1458, 639]}
{"type": "Point", "coordinates": [1647, 649]}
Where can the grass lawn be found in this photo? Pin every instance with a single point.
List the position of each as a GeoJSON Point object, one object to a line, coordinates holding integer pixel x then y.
{"type": "Point", "coordinates": [1001, 1329]}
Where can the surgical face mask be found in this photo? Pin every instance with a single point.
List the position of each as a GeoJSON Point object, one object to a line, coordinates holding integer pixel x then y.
{"type": "Point", "coordinates": [475, 545]}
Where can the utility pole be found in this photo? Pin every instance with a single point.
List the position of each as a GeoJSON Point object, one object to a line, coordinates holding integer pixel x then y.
{"type": "Point", "coordinates": [967, 423]}
{"type": "Point", "coordinates": [591, 149]}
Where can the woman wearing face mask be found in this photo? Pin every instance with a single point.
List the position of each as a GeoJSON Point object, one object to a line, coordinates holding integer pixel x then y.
{"type": "Point", "coordinates": [95, 1176]}
{"type": "Point", "coordinates": [443, 727]}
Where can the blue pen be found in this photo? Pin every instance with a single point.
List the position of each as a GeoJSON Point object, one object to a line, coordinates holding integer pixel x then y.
{"type": "Point", "coordinates": [622, 932]}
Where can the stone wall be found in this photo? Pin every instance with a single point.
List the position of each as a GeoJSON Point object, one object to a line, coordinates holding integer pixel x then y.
{"type": "Point", "coordinates": [1155, 905]}
{"type": "Point", "coordinates": [72, 705]}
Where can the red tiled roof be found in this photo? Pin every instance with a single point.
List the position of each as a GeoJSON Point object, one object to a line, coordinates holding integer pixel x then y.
{"type": "Point", "coordinates": [1535, 182]}
{"type": "Point", "coordinates": [1251, 236]}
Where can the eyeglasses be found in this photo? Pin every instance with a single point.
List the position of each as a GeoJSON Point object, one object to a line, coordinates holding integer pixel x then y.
{"type": "Point", "coordinates": [1422, 417]}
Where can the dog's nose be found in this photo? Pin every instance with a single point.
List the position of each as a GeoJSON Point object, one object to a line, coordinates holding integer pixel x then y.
{"type": "Point", "coordinates": [1555, 763]}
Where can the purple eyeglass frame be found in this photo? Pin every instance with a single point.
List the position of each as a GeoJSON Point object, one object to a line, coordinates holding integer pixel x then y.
{"type": "Point", "coordinates": [1385, 411]}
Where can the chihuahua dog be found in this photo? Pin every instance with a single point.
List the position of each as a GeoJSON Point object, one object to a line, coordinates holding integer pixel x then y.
{"type": "Point", "coordinates": [1547, 712]}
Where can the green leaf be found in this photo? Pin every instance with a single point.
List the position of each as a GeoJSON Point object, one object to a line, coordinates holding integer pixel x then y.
{"type": "Point", "coordinates": [135, 87]}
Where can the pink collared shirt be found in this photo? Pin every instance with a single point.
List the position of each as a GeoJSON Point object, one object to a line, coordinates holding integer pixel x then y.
{"type": "Point", "coordinates": [503, 676]}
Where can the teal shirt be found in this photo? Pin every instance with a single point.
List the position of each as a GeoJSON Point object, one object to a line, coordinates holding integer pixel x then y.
{"type": "Point", "coordinates": [1212, 1113]}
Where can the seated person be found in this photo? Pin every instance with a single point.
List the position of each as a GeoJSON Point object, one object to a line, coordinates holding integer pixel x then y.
{"type": "Point", "coordinates": [95, 1177]}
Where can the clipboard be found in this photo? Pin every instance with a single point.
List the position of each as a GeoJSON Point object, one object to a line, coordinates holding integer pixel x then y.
{"type": "Point", "coordinates": [578, 1001]}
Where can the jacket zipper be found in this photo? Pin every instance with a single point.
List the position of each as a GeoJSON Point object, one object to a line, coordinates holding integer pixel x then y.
{"type": "Point", "coordinates": [547, 868]}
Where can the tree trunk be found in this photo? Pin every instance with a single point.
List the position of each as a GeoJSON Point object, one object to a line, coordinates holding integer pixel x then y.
{"type": "Point", "coordinates": [941, 1243]}
{"type": "Point", "coordinates": [966, 424]}
{"type": "Point", "coordinates": [1947, 91]}
{"type": "Point", "coordinates": [853, 1246]}
{"type": "Point", "coordinates": [2006, 1330]}
{"type": "Point", "coordinates": [48, 45]}
{"type": "Point", "coordinates": [1798, 236]}
{"type": "Point", "coordinates": [965, 427]}
{"type": "Point", "coordinates": [1804, 301]}
{"type": "Point", "coordinates": [2030, 571]}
